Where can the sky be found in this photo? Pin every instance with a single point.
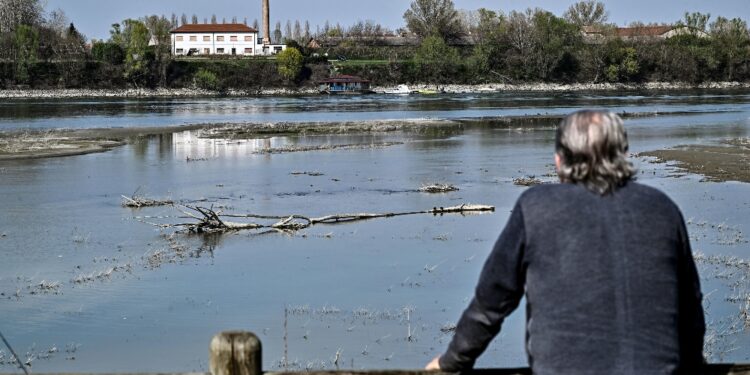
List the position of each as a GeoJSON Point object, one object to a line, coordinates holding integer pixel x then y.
{"type": "Point", "coordinates": [94, 17]}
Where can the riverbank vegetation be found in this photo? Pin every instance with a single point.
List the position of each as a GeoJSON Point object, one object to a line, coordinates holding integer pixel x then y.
{"type": "Point", "coordinates": [439, 45]}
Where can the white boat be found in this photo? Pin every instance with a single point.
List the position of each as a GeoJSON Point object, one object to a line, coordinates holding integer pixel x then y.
{"type": "Point", "coordinates": [400, 90]}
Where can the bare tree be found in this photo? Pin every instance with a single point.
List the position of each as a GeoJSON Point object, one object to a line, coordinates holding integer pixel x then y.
{"type": "Point", "coordinates": [434, 17]}
{"type": "Point", "coordinates": [696, 21]}
{"type": "Point", "coordinates": [183, 19]}
{"type": "Point", "coordinates": [288, 30]}
{"type": "Point", "coordinates": [234, 19]}
{"type": "Point", "coordinates": [195, 19]}
{"type": "Point", "coordinates": [245, 21]}
{"type": "Point", "coordinates": [58, 21]}
{"type": "Point", "coordinates": [297, 35]}
{"type": "Point", "coordinates": [307, 30]}
{"type": "Point", "coordinates": [19, 12]}
{"type": "Point", "coordinates": [587, 13]}
{"type": "Point", "coordinates": [277, 36]}
{"type": "Point", "coordinates": [255, 24]}
{"type": "Point", "coordinates": [213, 19]}
{"type": "Point", "coordinates": [174, 21]}
{"type": "Point", "coordinates": [223, 20]}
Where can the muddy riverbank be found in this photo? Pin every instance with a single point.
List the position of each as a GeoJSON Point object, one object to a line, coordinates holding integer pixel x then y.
{"type": "Point", "coordinates": [726, 161]}
{"type": "Point", "coordinates": [449, 89]}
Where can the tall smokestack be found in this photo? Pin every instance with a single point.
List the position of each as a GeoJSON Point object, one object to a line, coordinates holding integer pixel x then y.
{"type": "Point", "coordinates": [266, 23]}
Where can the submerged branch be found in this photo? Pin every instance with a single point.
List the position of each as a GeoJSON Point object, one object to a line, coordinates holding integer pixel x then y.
{"type": "Point", "coordinates": [209, 221]}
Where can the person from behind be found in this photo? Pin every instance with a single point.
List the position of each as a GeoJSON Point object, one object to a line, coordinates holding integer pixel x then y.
{"type": "Point", "coordinates": [604, 262]}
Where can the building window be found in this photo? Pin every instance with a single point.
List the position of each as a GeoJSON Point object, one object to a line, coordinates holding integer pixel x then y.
{"type": "Point", "coordinates": [179, 38]}
{"type": "Point", "coordinates": [233, 38]}
{"type": "Point", "coordinates": [248, 51]}
{"type": "Point", "coordinates": [248, 38]}
{"type": "Point", "coordinates": [206, 38]}
{"type": "Point", "coordinates": [207, 51]}
{"type": "Point", "coordinates": [220, 38]}
{"type": "Point", "coordinates": [179, 50]}
{"type": "Point", "coordinates": [193, 38]}
{"type": "Point", "coordinates": [220, 50]}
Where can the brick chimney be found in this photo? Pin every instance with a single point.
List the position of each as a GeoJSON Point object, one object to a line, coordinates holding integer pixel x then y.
{"type": "Point", "coordinates": [266, 23]}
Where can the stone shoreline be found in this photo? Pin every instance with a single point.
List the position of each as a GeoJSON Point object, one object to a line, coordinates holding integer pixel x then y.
{"type": "Point", "coordinates": [483, 88]}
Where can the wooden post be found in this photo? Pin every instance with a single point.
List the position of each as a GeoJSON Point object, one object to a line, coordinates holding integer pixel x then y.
{"type": "Point", "coordinates": [235, 353]}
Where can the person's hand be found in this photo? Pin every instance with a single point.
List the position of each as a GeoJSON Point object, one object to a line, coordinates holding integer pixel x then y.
{"type": "Point", "coordinates": [434, 365]}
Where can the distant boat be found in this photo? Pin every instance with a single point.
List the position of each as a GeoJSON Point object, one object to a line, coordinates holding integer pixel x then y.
{"type": "Point", "coordinates": [344, 84]}
{"type": "Point", "coordinates": [400, 90]}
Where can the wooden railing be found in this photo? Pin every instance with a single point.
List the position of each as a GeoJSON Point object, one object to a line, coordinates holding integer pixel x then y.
{"type": "Point", "coordinates": [241, 353]}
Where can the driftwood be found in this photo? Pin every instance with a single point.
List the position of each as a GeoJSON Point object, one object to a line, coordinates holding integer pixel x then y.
{"type": "Point", "coordinates": [206, 220]}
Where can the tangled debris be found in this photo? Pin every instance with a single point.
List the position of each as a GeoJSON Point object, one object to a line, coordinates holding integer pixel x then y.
{"type": "Point", "coordinates": [527, 181]}
{"type": "Point", "coordinates": [206, 220]}
{"type": "Point", "coordinates": [137, 201]}
{"type": "Point", "coordinates": [437, 188]}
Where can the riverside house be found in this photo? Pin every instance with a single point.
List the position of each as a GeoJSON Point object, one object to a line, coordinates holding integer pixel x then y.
{"type": "Point", "coordinates": [230, 39]}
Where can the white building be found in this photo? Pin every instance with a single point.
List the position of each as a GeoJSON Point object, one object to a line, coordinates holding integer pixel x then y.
{"type": "Point", "coordinates": [219, 39]}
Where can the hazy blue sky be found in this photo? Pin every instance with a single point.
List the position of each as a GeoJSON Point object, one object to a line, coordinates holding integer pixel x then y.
{"type": "Point", "coordinates": [93, 17]}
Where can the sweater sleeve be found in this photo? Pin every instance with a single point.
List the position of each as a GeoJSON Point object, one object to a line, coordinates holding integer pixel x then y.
{"type": "Point", "coordinates": [692, 326]}
{"type": "Point", "coordinates": [498, 293]}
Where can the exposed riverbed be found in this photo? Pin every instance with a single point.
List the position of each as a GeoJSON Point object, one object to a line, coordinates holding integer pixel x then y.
{"type": "Point", "coordinates": [89, 285]}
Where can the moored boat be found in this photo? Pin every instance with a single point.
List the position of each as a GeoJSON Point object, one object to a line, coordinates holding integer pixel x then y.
{"type": "Point", "coordinates": [400, 90]}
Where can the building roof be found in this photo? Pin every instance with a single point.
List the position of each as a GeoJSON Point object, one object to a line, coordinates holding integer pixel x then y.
{"type": "Point", "coordinates": [214, 28]}
{"type": "Point", "coordinates": [344, 79]}
{"type": "Point", "coordinates": [630, 32]}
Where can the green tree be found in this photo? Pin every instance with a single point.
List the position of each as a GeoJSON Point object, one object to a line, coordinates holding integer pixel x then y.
{"type": "Point", "coordinates": [622, 62]}
{"type": "Point", "coordinates": [134, 39]}
{"type": "Point", "coordinates": [434, 18]}
{"type": "Point", "coordinates": [159, 29]}
{"type": "Point", "coordinates": [731, 42]}
{"type": "Point", "coordinates": [26, 43]}
{"type": "Point", "coordinates": [587, 13]}
{"type": "Point", "coordinates": [109, 52]}
{"type": "Point", "coordinates": [556, 41]}
{"type": "Point", "coordinates": [290, 62]}
{"type": "Point", "coordinates": [489, 50]}
{"type": "Point", "coordinates": [436, 62]}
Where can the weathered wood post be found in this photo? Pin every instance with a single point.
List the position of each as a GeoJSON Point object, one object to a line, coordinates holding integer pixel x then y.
{"type": "Point", "coordinates": [235, 353]}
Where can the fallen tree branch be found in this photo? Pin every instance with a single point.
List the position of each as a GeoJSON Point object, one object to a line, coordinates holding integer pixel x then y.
{"type": "Point", "coordinates": [209, 221]}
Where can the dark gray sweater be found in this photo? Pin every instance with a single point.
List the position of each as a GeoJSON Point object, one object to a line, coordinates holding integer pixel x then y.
{"type": "Point", "coordinates": [610, 283]}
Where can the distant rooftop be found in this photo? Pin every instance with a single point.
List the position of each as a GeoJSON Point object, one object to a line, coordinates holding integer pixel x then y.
{"type": "Point", "coordinates": [215, 28]}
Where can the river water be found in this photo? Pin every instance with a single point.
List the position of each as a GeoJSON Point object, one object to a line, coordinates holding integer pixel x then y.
{"type": "Point", "coordinates": [88, 285]}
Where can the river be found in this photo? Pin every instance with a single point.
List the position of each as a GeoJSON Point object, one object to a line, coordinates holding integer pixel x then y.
{"type": "Point", "coordinates": [88, 285]}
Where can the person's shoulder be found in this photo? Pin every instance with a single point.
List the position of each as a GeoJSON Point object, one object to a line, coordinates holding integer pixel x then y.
{"type": "Point", "coordinates": [651, 195]}
{"type": "Point", "coordinates": [546, 196]}
{"type": "Point", "coordinates": [548, 191]}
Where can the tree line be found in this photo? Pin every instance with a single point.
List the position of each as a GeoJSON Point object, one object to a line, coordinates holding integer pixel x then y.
{"type": "Point", "coordinates": [44, 49]}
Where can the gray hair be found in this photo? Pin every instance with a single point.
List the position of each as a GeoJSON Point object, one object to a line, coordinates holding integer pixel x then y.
{"type": "Point", "coordinates": [593, 147]}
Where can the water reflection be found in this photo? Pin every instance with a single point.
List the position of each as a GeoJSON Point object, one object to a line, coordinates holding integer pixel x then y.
{"type": "Point", "coordinates": [62, 219]}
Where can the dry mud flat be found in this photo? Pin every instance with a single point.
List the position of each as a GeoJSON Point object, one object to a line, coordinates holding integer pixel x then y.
{"type": "Point", "coordinates": [728, 161]}
{"type": "Point", "coordinates": [31, 144]}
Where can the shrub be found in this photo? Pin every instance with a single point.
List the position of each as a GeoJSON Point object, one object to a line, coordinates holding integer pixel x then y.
{"type": "Point", "coordinates": [206, 80]}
